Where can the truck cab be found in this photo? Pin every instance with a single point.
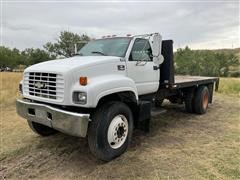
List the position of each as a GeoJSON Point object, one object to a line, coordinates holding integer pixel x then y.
{"type": "Point", "coordinates": [106, 91]}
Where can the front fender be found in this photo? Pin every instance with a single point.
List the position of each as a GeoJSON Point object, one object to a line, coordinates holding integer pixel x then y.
{"type": "Point", "coordinates": [101, 86]}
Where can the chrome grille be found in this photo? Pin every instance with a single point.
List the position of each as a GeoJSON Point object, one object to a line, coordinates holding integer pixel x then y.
{"type": "Point", "coordinates": [45, 85]}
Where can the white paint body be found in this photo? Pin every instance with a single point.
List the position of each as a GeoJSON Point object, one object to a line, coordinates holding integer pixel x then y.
{"type": "Point", "coordinates": [103, 75]}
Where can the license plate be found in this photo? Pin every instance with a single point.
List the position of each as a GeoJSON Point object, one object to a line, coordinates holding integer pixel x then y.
{"type": "Point", "coordinates": [40, 114]}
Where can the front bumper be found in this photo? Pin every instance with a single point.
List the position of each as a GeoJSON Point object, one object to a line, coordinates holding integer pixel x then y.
{"type": "Point", "coordinates": [71, 123]}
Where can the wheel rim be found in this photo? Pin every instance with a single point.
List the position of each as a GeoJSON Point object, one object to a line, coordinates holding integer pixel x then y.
{"type": "Point", "coordinates": [117, 131]}
{"type": "Point", "coordinates": [205, 101]}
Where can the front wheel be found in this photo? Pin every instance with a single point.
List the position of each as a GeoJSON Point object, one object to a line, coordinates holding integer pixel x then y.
{"type": "Point", "coordinates": [41, 129]}
{"type": "Point", "coordinates": [110, 130]}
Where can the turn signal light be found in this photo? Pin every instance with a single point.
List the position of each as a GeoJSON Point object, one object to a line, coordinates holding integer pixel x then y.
{"type": "Point", "coordinates": [83, 81]}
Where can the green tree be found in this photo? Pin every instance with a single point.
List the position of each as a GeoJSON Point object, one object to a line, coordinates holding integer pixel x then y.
{"type": "Point", "coordinates": [65, 45]}
{"type": "Point", "coordinates": [204, 62]}
{"type": "Point", "coordinates": [14, 57]}
{"type": "Point", "coordinates": [185, 62]}
{"type": "Point", "coordinates": [225, 61]}
{"type": "Point", "coordinates": [34, 56]}
{"type": "Point", "coordinates": [10, 57]}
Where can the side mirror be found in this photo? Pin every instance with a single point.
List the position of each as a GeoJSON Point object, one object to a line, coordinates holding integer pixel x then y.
{"type": "Point", "coordinates": [156, 49]}
{"type": "Point", "coordinates": [156, 45]}
{"type": "Point", "coordinates": [158, 60]}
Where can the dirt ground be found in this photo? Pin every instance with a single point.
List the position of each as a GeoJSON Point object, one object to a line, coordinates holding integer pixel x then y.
{"type": "Point", "coordinates": [179, 146]}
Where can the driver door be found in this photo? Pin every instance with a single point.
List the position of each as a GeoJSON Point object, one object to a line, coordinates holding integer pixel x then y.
{"type": "Point", "coordinates": [140, 67]}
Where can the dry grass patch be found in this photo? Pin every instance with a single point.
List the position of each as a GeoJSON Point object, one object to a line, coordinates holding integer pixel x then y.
{"type": "Point", "coordinates": [230, 86]}
{"type": "Point", "coordinates": [9, 82]}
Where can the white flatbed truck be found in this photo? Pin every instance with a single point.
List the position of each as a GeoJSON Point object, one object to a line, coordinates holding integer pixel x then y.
{"type": "Point", "coordinates": [107, 90]}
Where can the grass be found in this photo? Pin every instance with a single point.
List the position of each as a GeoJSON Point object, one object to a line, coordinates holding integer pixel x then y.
{"type": "Point", "coordinates": [9, 87]}
{"type": "Point", "coordinates": [229, 86]}
{"type": "Point", "coordinates": [179, 145]}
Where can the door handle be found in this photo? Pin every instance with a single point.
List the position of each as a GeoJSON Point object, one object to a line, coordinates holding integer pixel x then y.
{"type": "Point", "coordinates": [156, 68]}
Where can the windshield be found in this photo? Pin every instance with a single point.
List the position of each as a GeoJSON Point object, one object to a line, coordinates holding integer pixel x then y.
{"type": "Point", "coordinates": [106, 47]}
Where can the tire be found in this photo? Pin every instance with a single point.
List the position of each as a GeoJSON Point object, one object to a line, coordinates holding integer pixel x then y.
{"type": "Point", "coordinates": [189, 101]}
{"type": "Point", "coordinates": [41, 129]}
{"type": "Point", "coordinates": [105, 123]}
{"type": "Point", "coordinates": [201, 100]}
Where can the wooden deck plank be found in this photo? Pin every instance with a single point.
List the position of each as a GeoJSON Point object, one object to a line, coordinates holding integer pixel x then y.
{"type": "Point", "coordinates": [183, 79]}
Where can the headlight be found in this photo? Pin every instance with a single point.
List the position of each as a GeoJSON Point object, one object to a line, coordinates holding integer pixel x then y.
{"type": "Point", "coordinates": [80, 97]}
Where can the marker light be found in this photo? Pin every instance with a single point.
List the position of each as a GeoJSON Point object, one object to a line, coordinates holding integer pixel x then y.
{"type": "Point", "coordinates": [83, 81]}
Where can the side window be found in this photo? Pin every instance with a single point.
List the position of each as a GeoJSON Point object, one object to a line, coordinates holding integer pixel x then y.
{"type": "Point", "coordinates": [141, 50]}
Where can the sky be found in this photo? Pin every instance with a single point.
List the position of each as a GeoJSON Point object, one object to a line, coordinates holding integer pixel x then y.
{"type": "Point", "coordinates": [199, 24]}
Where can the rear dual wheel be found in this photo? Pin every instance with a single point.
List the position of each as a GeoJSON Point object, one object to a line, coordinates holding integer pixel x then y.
{"type": "Point", "coordinates": [197, 102]}
{"type": "Point", "coordinates": [201, 100]}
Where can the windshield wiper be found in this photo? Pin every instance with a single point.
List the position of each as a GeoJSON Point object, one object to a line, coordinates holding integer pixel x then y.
{"type": "Point", "coordinates": [78, 54]}
{"type": "Point", "coordinates": [98, 52]}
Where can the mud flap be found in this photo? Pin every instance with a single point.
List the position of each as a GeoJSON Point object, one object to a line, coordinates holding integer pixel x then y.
{"type": "Point", "coordinates": [144, 115]}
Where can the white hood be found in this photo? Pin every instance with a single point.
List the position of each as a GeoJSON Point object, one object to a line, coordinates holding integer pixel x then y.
{"type": "Point", "coordinates": [64, 65]}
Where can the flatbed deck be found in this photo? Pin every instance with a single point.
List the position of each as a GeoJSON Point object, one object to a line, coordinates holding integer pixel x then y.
{"type": "Point", "coordinates": [186, 81]}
